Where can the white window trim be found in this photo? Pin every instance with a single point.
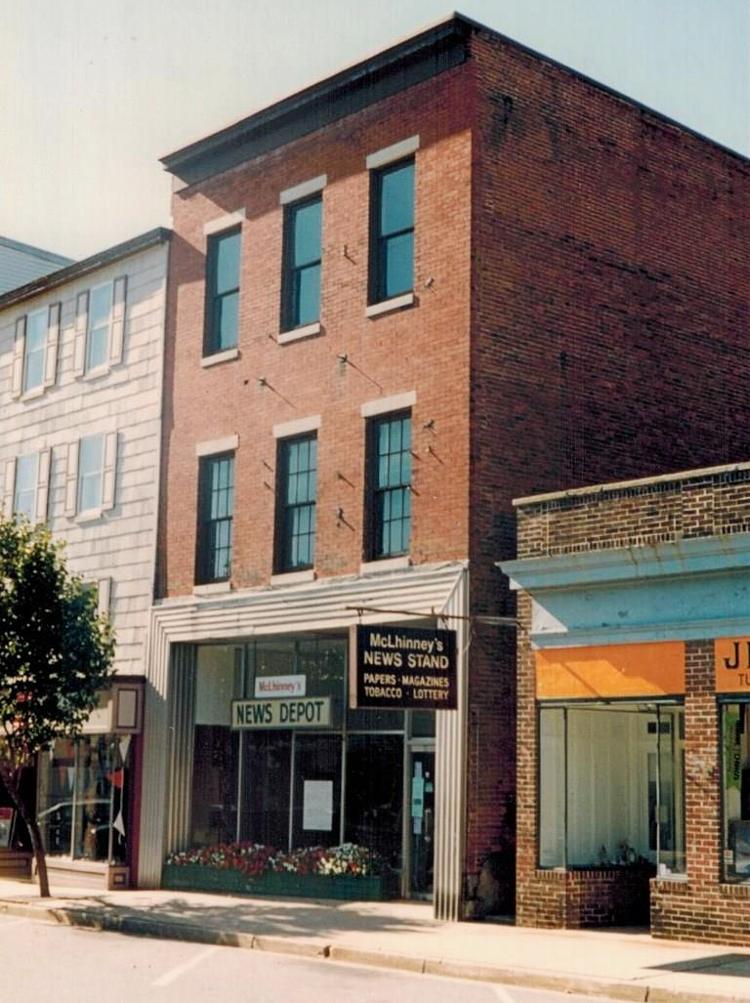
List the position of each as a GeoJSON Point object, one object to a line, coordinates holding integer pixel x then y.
{"type": "Point", "coordinates": [225, 222]}
{"type": "Point", "coordinates": [212, 588]}
{"type": "Point", "coordinates": [219, 357]}
{"type": "Point", "coordinates": [298, 333]}
{"type": "Point", "coordinates": [213, 447]}
{"type": "Point", "coordinates": [390, 154]}
{"type": "Point", "coordinates": [303, 190]}
{"type": "Point", "coordinates": [388, 306]}
{"type": "Point", "coordinates": [387, 564]}
{"type": "Point", "coordinates": [293, 577]}
{"type": "Point", "coordinates": [382, 405]}
{"type": "Point", "coordinates": [287, 429]}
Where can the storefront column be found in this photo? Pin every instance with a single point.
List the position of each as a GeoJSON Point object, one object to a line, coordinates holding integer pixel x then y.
{"type": "Point", "coordinates": [702, 767]}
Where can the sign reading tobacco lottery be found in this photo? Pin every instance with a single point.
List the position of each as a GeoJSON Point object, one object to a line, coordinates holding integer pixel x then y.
{"type": "Point", "coordinates": [406, 667]}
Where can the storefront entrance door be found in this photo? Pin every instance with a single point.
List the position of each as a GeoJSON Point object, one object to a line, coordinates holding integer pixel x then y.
{"type": "Point", "coordinates": [421, 815]}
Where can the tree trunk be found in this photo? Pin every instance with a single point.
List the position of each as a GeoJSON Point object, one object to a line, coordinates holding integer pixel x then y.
{"type": "Point", "coordinates": [12, 781]}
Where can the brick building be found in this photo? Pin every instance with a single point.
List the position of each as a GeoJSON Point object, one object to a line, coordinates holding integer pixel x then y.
{"type": "Point", "coordinates": [634, 674]}
{"type": "Point", "coordinates": [81, 353]}
{"type": "Point", "coordinates": [432, 282]}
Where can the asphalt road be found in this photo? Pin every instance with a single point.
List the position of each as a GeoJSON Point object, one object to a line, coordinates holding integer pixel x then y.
{"type": "Point", "coordinates": [57, 964]}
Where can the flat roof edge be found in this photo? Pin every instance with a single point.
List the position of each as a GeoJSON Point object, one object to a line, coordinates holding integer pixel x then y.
{"type": "Point", "coordinates": [150, 238]}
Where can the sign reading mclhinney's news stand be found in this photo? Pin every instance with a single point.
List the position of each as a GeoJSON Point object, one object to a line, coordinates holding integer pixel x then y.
{"type": "Point", "coordinates": [406, 667]}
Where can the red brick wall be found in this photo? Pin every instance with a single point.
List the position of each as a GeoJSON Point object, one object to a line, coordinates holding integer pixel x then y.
{"type": "Point", "coordinates": [386, 355]}
{"type": "Point", "coordinates": [608, 307]}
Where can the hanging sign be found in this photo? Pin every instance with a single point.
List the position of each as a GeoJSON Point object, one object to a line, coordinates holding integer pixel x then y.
{"type": "Point", "coordinates": [313, 712]}
{"type": "Point", "coordinates": [409, 668]}
{"type": "Point", "coordinates": [280, 686]}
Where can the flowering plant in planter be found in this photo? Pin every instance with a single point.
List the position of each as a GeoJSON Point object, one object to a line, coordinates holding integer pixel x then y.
{"type": "Point", "coordinates": [253, 859]}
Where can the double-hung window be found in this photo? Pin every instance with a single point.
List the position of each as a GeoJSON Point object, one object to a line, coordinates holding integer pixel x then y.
{"type": "Point", "coordinates": [34, 349]}
{"type": "Point", "coordinates": [90, 473]}
{"type": "Point", "coordinates": [215, 513]}
{"type": "Point", "coordinates": [301, 257]}
{"type": "Point", "coordinates": [24, 491]}
{"type": "Point", "coordinates": [296, 494]}
{"type": "Point", "coordinates": [392, 231]}
{"type": "Point", "coordinates": [99, 322]}
{"type": "Point", "coordinates": [222, 292]}
{"type": "Point", "coordinates": [389, 485]}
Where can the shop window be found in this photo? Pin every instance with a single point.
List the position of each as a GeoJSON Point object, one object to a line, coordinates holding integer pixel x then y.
{"type": "Point", "coordinates": [735, 731]}
{"type": "Point", "coordinates": [296, 492]}
{"type": "Point", "coordinates": [388, 510]}
{"type": "Point", "coordinates": [611, 786]}
{"type": "Point", "coordinates": [222, 292]}
{"type": "Point", "coordinates": [392, 231]}
{"type": "Point", "coordinates": [215, 515]}
{"type": "Point", "coordinates": [83, 798]}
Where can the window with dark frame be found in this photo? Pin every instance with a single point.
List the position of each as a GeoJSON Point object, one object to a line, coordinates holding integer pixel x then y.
{"type": "Point", "coordinates": [296, 494]}
{"type": "Point", "coordinates": [392, 231]}
{"type": "Point", "coordinates": [300, 296]}
{"type": "Point", "coordinates": [222, 292]}
{"type": "Point", "coordinates": [215, 512]}
{"type": "Point", "coordinates": [388, 515]}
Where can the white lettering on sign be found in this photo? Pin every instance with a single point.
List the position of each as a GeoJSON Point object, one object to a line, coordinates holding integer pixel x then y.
{"type": "Point", "coordinates": [313, 712]}
{"type": "Point", "coordinates": [269, 687]}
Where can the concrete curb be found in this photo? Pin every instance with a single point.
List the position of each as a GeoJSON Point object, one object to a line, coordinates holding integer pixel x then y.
{"type": "Point", "coordinates": [141, 926]}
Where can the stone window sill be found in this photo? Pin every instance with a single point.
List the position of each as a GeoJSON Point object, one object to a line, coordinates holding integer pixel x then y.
{"type": "Point", "coordinates": [212, 588]}
{"type": "Point", "coordinates": [218, 357]}
{"type": "Point", "coordinates": [293, 577]}
{"type": "Point", "coordinates": [388, 306]}
{"type": "Point", "coordinates": [95, 374]}
{"type": "Point", "coordinates": [387, 564]}
{"type": "Point", "coordinates": [298, 333]}
{"type": "Point", "coordinates": [90, 515]}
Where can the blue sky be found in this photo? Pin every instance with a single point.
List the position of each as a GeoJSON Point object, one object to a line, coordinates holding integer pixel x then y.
{"type": "Point", "coordinates": [92, 92]}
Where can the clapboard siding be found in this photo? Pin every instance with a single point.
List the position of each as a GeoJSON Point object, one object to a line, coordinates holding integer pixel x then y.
{"type": "Point", "coordinates": [120, 544]}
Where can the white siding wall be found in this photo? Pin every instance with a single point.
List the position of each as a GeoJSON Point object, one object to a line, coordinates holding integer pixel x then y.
{"type": "Point", "coordinates": [120, 544]}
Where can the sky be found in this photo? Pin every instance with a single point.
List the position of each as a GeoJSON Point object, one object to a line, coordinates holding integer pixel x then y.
{"type": "Point", "coordinates": [93, 92]}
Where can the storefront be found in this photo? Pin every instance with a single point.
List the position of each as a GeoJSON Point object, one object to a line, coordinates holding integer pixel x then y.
{"type": "Point", "coordinates": [86, 795]}
{"type": "Point", "coordinates": [269, 745]}
{"type": "Point", "coordinates": [634, 706]}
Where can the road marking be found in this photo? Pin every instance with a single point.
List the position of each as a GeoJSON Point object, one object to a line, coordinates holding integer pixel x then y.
{"type": "Point", "coordinates": [174, 973]}
{"type": "Point", "coordinates": [503, 994]}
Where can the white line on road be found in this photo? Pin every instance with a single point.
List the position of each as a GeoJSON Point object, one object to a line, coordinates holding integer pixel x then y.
{"type": "Point", "coordinates": [174, 973]}
{"type": "Point", "coordinates": [503, 994]}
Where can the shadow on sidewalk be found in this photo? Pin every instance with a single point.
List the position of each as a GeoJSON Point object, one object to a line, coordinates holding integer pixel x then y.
{"type": "Point", "coordinates": [737, 965]}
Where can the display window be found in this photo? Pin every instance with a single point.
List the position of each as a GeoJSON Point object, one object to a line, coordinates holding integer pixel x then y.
{"type": "Point", "coordinates": [83, 798]}
{"type": "Point", "coordinates": [296, 786]}
{"type": "Point", "coordinates": [611, 786]}
{"type": "Point", "coordinates": [735, 744]}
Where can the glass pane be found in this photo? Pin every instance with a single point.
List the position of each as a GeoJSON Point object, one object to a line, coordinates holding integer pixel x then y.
{"type": "Point", "coordinates": [306, 226]}
{"type": "Point", "coordinates": [90, 464]}
{"type": "Point", "coordinates": [55, 797]}
{"type": "Point", "coordinates": [671, 811]}
{"type": "Point", "coordinates": [36, 337]}
{"type": "Point", "coordinates": [307, 296]}
{"type": "Point", "coordinates": [398, 270]}
{"type": "Point", "coordinates": [214, 791]}
{"type": "Point", "coordinates": [374, 794]}
{"type": "Point", "coordinates": [227, 317]}
{"type": "Point", "coordinates": [316, 811]}
{"type": "Point", "coordinates": [551, 787]}
{"type": "Point", "coordinates": [25, 487]}
{"type": "Point", "coordinates": [397, 199]}
{"type": "Point", "coordinates": [736, 782]}
{"type": "Point", "coordinates": [226, 262]}
{"type": "Point", "coordinates": [99, 306]}
{"type": "Point", "coordinates": [96, 347]}
{"type": "Point", "coordinates": [267, 759]}
{"type": "Point", "coordinates": [93, 797]}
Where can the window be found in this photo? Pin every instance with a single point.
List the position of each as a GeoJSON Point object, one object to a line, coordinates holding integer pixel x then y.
{"type": "Point", "coordinates": [296, 492]}
{"type": "Point", "coordinates": [33, 362]}
{"type": "Point", "coordinates": [24, 495]}
{"type": "Point", "coordinates": [90, 472]}
{"type": "Point", "coordinates": [389, 477]}
{"type": "Point", "coordinates": [302, 254]}
{"type": "Point", "coordinates": [215, 509]}
{"type": "Point", "coordinates": [222, 292]}
{"type": "Point", "coordinates": [97, 335]}
{"type": "Point", "coordinates": [392, 231]}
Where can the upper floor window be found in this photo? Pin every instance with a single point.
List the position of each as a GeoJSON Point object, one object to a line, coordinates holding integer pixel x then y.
{"type": "Point", "coordinates": [97, 335]}
{"type": "Point", "coordinates": [392, 231]}
{"type": "Point", "coordinates": [90, 475]}
{"type": "Point", "coordinates": [34, 349]}
{"type": "Point", "coordinates": [389, 485]}
{"type": "Point", "coordinates": [24, 493]}
{"type": "Point", "coordinates": [296, 495]}
{"type": "Point", "coordinates": [302, 256]}
{"type": "Point", "coordinates": [222, 292]}
{"type": "Point", "coordinates": [90, 472]}
{"type": "Point", "coordinates": [215, 513]}
{"type": "Point", "coordinates": [99, 327]}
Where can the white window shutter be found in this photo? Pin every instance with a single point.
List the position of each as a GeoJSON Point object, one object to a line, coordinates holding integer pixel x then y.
{"type": "Point", "coordinates": [117, 335]}
{"type": "Point", "coordinates": [53, 340]}
{"type": "Point", "coordinates": [103, 589]}
{"type": "Point", "coordinates": [110, 467]}
{"type": "Point", "coordinates": [42, 484]}
{"type": "Point", "coordinates": [71, 479]}
{"type": "Point", "coordinates": [79, 342]}
{"type": "Point", "coordinates": [10, 483]}
{"type": "Point", "coordinates": [19, 346]}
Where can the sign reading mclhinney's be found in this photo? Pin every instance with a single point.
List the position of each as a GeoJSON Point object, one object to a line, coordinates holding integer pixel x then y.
{"type": "Point", "coordinates": [407, 667]}
{"type": "Point", "coordinates": [310, 712]}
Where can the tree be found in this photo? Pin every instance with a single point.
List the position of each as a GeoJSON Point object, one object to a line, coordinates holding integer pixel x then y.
{"type": "Point", "coordinates": [55, 657]}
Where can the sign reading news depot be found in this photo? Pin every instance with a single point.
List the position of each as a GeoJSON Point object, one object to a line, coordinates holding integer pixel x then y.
{"type": "Point", "coordinates": [284, 706]}
{"type": "Point", "coordinates": [732, 664]}
{"type": "Point", "coordinates": [407, 668]}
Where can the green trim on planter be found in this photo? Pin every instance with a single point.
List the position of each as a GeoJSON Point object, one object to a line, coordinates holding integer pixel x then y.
{"type": "Point", "coordinates": [195, 877]}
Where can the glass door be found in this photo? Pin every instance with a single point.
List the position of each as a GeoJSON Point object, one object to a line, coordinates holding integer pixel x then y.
{"type": "Point", "coordinates": [421, 816]}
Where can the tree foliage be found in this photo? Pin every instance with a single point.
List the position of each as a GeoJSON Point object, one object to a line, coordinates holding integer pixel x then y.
{"type": "Point", "coordinates": [55, 655]}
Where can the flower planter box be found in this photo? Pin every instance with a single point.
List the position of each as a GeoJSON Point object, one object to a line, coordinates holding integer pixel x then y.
{"type": "Point", "coordinates": [194, 877]}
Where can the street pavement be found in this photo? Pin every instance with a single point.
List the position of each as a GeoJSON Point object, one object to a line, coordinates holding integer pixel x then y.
{"type": "Point", "coordinates": [403, 936]}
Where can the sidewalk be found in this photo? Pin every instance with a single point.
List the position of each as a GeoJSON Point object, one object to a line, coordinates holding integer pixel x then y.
{"type": "Point", "coordinates": [623, 965]}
